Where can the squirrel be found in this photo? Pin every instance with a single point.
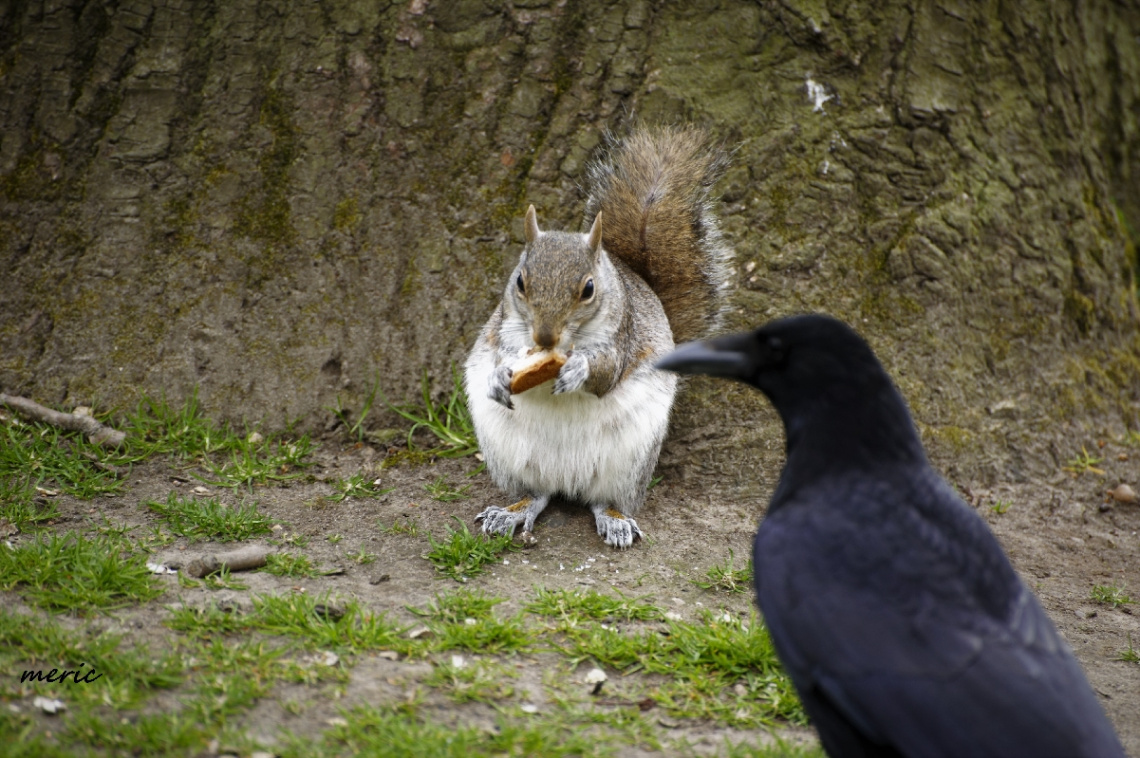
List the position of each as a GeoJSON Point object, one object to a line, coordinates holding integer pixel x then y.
{"type": "Point", "coordinates": [652, 270]}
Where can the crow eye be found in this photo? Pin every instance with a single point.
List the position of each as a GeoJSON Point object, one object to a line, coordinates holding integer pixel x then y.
{"type": "Point", "coordinates": [522, 287]}
{"type": "Point", "coordinates": [776, 348]}
{"type": "Point", "coordinates": [588, 290]}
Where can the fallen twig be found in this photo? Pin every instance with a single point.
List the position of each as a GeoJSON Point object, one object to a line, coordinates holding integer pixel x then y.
{"type": "Point", "coordinates": [242, 559]}
{"type": "Point", "coordinates": [95, 431]}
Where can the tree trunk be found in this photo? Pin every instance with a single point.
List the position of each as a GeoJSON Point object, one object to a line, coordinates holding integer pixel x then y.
{"type": "Point", "coordinates": [282, 203]}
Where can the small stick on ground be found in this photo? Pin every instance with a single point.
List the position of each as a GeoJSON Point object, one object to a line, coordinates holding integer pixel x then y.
{"type": "Point", "coordinates": [96, 432]}
{"type": "Point", "coordinates": [242, 559]}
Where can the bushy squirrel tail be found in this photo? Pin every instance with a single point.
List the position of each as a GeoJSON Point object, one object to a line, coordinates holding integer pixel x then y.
{"type": "Point", "coordinates": [652, 188]}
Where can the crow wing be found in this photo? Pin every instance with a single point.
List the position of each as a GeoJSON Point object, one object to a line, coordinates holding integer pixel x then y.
{"type": "Point", "coordinates": [907, 632]}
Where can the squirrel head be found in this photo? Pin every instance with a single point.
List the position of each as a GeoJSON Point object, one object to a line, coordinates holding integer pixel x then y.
{"type": "Point", "coordinates": [556, 287]}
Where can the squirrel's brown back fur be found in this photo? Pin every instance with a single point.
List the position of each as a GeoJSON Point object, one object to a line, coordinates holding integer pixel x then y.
{"type": "Point", "coordinates": [652, 188]}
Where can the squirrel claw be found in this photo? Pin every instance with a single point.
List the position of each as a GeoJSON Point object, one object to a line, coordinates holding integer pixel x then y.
{"type": "Point", "coordinates": [499, 520]}
{"type": "Point", "coordinates": [616, 529]}
{"type": "Point", "coordinates": [573, 375]}
{"type": "Point", "coordinates": [499, 387]}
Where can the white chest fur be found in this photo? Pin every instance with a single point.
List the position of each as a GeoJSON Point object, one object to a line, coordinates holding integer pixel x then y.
{"type": "Point", "coordinates": [599, 450]}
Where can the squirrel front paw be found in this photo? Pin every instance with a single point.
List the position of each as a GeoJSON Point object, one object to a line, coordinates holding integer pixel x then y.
{"type": "Point", "coordinates": [499, 387]}
{"type": "Point", "coordinates": [573, 374]}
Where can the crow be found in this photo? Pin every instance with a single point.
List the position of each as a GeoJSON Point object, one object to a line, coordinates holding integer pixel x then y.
{"type": "Point", "coordinates": [893, 608]}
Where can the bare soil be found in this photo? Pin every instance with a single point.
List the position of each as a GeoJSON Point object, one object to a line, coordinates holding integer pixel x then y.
{"type": "Point", "coordinates": [1061, 534]}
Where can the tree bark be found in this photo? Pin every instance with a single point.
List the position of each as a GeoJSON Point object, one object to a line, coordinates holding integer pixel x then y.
{"type": "Point", "coordinates": [280, 202]}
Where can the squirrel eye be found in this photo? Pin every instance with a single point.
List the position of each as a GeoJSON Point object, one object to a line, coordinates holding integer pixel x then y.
{"type": "Point", "coordinates": [588, 290]}
{"type": "Point", "coordinates": [519, 282]}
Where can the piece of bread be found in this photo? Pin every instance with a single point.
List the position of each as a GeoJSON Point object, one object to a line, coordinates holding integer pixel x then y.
{"type": "Point", "coordinates": [535, 369]}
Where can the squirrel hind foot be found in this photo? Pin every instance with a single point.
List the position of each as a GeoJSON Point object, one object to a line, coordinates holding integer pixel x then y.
{"type": "Point", "coordinates": [499, 520]}
{"type": "Point", "coordinates": [616, 529]}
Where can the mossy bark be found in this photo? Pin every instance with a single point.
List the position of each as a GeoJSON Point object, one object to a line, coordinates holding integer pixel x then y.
{"type": "Point", "coordinates": [281, 203]}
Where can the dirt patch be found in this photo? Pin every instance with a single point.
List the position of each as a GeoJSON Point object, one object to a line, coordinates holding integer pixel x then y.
{"type": "Point", "coordinates": [1062, 535]}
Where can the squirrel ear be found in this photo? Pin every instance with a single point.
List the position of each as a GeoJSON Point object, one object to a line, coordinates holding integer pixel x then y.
{"type": "Point", "coordinates": [595, 241]}
{"type": "Point", "coordinates": [531, 225]}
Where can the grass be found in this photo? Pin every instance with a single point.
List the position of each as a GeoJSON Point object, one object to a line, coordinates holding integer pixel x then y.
{"type": "Point", "coordinates": [1001, 506]}
{"type": "Point", "coordinates": [208, 519]}
{"type": "Point", "coordinates": [78, 574]}
{"type": "Point", "coordinates": [464, 620]}
{"type": "Point", "coordinates": [573, 607]}
{"type": "Point", "coordinates": [1084, 463]}
{"type": "Point", "coordinates": [1131, 438]}
{"type": "Point", "coordinates": [290, 564]}
{"type": "Point", "coordinates": [357, 487]}
{"type": "Point", "coordinates": [1130, 654]}
{"type": "Point", "coordinates": [256, 461]}
{"type": "Point", "coordinates": [465, 681]}
{"type": "Point", "coordinates": [153, 734]}
{"type": "Point", "coordinates": [220, 580]}
{"type": "Point", "coordinates": [442, 492]}
{"type": "Point", "coordinates": [35, 454]}
{"type": "Point", "coordinates": [212, 658]}
{"type": "Point", "coordinates": [362, 557]}
{"type": "Point", "coordinates": [403, 732]}
{"type": "Point", "coordinates": [409, 526]}
{"type": "Point", "coordinates": [449, 421]}
{"type": "Point", "coordinates": [702, 662]}
{"type": "Point", "coordinates": [123, 674]}
{"type": "Point", "coordinates": [777, 748]}
{"type": "Point", "coordinates": [462, 555]}
{"type": "Point", "coordinates": [355, 429]}
{"type": "Point", "coordinates": [725, 578]}
{"type": "Point", "coordinates": [310, 622]}
{"type": "Point", "coordinates": [157, 428]}
{"type": "Point", "coordinates": [231, 458]}
{"type": "Point", "coordinates": [1110, 595]}
{"type": "Point", "coordinates": [19, 505]}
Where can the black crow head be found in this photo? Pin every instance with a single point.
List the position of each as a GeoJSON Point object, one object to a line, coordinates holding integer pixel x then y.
{"type": "Point", "coordinates": [818, 373]}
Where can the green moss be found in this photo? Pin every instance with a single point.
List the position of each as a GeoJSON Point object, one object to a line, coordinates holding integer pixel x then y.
{"type": "Point", "coordinates": [180, 217]}
{"type": "Point", "coordinates": [265, 215]}
{"type": "Point", "coordinates": [407, 458]}
{"type": "Point", "coordinates": [30, 180]}
{"type": "Point", "coordinates": [412, 281]}
{"type": "Point", "coordinates": [1122, 367]}
{"type": "Point", "coordinates": [955, 437]}
{"type": "Point", "coordinates": [1080, 310]}
{"type": "Point", "coordinates": [880, 296]}
{"type": "Point", "coordinates": [1131, 256]}
{"type": "Point", "coordinates": [781, 200]}
{"type": "Point", "coordinates": [567, 50]}
{"type": "Point", "coordinates": [346, 215]}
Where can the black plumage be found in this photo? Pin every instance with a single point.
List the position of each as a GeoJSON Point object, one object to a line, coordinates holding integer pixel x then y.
{"type": "Point", "coordinates": [892, 606]}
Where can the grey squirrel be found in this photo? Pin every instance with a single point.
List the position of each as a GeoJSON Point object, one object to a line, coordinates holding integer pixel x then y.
{"type": "Point", "coordinates": [651, 270]}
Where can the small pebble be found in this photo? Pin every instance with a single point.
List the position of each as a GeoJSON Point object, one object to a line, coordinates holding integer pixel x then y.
{"type": "Point", "coordinates": [1122, 493]}
{"type": "Point", "coordinates": [48, 705]}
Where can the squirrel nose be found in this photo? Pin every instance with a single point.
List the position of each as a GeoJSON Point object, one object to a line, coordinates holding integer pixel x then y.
{"type": "Point", "coordinates": [544, 337]}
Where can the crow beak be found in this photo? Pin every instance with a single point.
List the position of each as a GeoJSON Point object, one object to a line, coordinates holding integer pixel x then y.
{"type": "Point", "coordinates": [719, 357]}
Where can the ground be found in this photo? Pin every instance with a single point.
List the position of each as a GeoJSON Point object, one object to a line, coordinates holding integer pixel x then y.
{"type": "Point", "coordinates": [266, 685]}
